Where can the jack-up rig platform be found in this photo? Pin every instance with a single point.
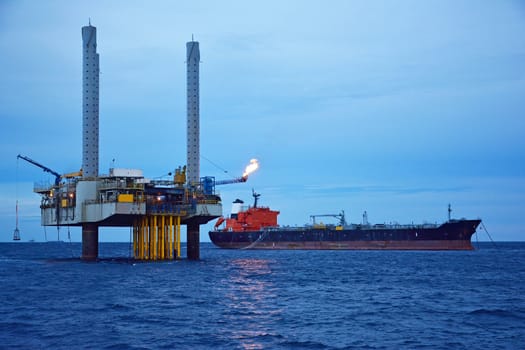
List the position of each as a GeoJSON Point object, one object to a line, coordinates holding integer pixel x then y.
{"type": "Point", "coordinates": [155, 209]}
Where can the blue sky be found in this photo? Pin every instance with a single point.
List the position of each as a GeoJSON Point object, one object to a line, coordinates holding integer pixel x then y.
{"type": "Point", "coordinates": [393, 107]}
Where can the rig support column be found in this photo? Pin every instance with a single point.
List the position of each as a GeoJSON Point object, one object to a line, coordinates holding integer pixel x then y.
{"type": "Point", "coordinates": [89, 242]}
{"type": "Point", "coordinates": [90, 102]}
{"type": "Point", "coordinates": [155, 236]}
{"type": "Point", "coordinates": [177, 237]}
{"type": "Point", "coordinates": [192, 232]}
{"type": "Point", "coordinates": [192, 105]}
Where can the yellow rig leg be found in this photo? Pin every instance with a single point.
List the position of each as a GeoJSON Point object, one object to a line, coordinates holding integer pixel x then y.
{"type": "Point", "coordinates": [149, 239]}
{"type": "Point", "coordinates": [170, 238]}
{"type": "Point", "coordinates": [163, 235]}
{"type": "Point", "coordinates": [135, 239]}
{"type": "Point", "coordinates": [143, 235]}
{"type": "Point", "coordinates": [177, 230]}
{"type": "Point", "coordinates": [156, 237]}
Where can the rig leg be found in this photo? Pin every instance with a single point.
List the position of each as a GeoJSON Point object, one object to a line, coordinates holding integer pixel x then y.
{"type": "Point", "coordinates": [177, 237]}
{"type": "Point", "coordinates": [192, 232]}
{"type": "Point", "coordinates": [89, 242]}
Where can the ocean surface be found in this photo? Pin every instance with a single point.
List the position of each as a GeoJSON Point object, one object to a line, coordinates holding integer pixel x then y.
{"type": "Point", "coordinates": [248, 299]}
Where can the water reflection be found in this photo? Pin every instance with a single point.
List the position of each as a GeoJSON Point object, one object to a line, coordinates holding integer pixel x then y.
{"type": "Point", "coordinates": [250, 308]}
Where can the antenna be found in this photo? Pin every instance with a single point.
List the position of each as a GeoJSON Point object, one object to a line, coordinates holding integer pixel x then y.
{"type": "Point", "coordinates": [449, 211]}
{"type": "Point", "coordinates": [365, 218]}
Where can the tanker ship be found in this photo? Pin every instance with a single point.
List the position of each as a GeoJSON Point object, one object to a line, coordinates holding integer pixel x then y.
{"type": "Point", "coordinates": [256, 227]}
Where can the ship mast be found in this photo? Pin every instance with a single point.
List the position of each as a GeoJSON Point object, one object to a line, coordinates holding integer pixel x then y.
{"type": "Point", "coordinates": [255, 197]}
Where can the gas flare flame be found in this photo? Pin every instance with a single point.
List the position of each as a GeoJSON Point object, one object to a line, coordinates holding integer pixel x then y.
{"type": "Point", "coordinates": [250, 168]}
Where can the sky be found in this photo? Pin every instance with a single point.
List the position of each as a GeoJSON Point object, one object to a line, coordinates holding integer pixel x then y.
{"type": "Point", "coordinates": [394, 107]}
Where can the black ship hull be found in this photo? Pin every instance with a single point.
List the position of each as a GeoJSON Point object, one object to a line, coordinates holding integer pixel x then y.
{"type": "Point", "coordinates": [452, 235]}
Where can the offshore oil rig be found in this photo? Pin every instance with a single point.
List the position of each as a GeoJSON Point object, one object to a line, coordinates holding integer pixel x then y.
{"type": "Point", "coordinates": [155, 209]}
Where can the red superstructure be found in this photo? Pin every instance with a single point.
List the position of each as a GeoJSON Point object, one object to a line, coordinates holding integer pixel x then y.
{"type": "Point", "coordinates": [248, 219]}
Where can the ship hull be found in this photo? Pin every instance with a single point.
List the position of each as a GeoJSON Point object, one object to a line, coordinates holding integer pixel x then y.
{"type": "Point", "coordinates": [448, 236]}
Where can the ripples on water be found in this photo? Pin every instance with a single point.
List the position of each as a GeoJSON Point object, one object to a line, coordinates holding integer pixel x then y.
{"type": "Point", "coordinates": [239, 299]}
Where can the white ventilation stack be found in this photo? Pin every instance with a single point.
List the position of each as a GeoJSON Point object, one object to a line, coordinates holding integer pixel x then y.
{"type": "Point", "coordinates": [236, 208]}
{"type": "Point", "coordinates": [90, 105]}
{"type": "Point", "coordinates": [192, 94]}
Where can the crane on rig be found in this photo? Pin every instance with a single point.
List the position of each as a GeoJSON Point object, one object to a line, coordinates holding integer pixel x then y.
{"type": "Point", "coordinates": [341, 217]}
{"type": "Point", "coordinates": [58, 176]}
{"type": "Point", "coordinates": [43, 167]}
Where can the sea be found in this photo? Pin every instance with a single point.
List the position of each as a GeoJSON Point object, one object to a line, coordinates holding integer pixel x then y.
{"type": "Point", "coordinates": [256, 299]}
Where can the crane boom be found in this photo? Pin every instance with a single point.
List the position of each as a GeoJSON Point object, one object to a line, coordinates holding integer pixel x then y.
{"type": "Point", "coordinates": [341, 217]}
{"type": "Point", "coordinates": [43, 167]}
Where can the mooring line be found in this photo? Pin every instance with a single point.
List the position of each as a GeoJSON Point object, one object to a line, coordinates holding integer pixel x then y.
{"type": "Point", "coordinates": [261, 237]}
{"type": "Point", "coordinates": [488, 234]}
